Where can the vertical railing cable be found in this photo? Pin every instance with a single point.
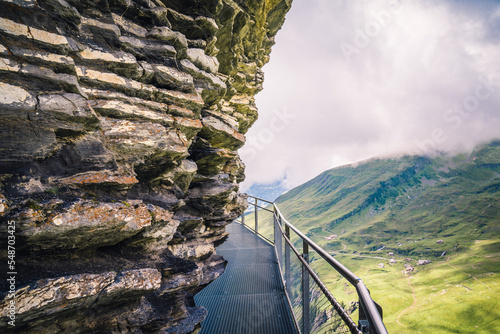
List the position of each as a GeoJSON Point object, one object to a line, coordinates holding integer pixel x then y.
{"type": "Point", "coordinates": [256, 217]}
{"type": "Point", "coordinates": [305, 290]}
{"type": "Point", "coordinates": [336, 305]}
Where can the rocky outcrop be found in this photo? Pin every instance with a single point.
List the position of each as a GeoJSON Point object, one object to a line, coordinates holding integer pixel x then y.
{"type": "Point", "coordinates": [120, 122]}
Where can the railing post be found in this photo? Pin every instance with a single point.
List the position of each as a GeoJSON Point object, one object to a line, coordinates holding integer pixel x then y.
{"type": "Point", "coordinates": [287, 263]}
{"type": "Point", "coordinates": [256, 218]}
{"type": "Point", "coordinates": [276, 229]}
{"type": "Point", "coordinates": [279, 240]}
{"type": "Point", "coordinates": [275, 220]}
{"type": "Point", "coordinates": [243, 218]}
{"type": "Point", "coordinates": [366, 323]}
{"type": "Point", "coordinates": [363, 323]}
{"type": "Point", "coordinates": [305, 290]}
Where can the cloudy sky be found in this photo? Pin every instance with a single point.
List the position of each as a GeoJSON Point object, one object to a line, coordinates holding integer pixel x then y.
{"type": "Point", "coordinates": [349, 80]}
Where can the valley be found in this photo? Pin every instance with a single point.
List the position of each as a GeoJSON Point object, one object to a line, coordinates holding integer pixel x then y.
{"type": "Point", "coordinates": [381, 217]}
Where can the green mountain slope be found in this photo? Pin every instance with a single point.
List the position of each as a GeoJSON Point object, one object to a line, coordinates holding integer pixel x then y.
{"type": "Point", "coordinates": [444, 209]}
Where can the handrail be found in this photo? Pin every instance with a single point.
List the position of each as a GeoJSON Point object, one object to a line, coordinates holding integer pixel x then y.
{"type": "Point", "coordinates": [322, 286]}
{"type": "Point", "coordinates": [353, 279]}
{"type": "Point", "coordinates": [261, 199]}
{"type": "Point", "coordinates": [368, 307]}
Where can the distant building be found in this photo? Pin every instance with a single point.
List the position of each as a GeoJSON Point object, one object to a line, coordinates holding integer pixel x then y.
{"type": "Point", "coordinates": [422, 262]}
{"type": "Point", "coordinates": [407, 259]}
{"type": "Point", "coordinates": [392, 261]}
{"type": "Point", "coordinates": [391, 254]}
{"type": "Point", "coordinates": [331, 237]}
{"type": "Point", "coordinates": [408, 269]}
{"type": "Point", "coordinates": [440, 241]}
{"type": "Point", "coordinates": [381, 265]}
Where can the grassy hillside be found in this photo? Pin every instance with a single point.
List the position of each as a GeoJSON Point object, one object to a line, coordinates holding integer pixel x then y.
{"type": "Point", "coordinates": [405, 206]}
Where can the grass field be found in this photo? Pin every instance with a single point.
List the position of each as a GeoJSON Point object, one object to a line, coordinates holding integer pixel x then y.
{"type": "Point", "coordinates": [456, 294]}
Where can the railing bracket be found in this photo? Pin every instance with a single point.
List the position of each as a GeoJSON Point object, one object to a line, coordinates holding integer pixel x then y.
{"type": "Point", "coordinates": [364, 326]}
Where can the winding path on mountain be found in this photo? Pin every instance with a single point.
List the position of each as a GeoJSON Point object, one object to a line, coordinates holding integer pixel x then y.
{"type": "Point", "coordinates": [411, 306]}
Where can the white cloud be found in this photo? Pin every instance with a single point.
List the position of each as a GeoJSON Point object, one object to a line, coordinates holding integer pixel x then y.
{"type": "Point", "coordinates": [415, 81]}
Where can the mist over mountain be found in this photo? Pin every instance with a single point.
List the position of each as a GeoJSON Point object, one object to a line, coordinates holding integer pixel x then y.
{"type": "Point", "coordinates": [268, 192]}
{"type": "Point", "coordinates": [373, 78]}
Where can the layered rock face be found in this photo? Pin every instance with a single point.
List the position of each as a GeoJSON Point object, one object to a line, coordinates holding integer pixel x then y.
{"type": "Point", "coordinates": [120, 122]}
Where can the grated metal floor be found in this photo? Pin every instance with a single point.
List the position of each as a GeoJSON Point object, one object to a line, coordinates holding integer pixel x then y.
{"type": "Point", "coordinates": [249, 296]}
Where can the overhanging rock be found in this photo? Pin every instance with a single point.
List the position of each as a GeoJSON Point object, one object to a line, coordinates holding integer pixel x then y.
{"type": "Point", "coordinates": [119, 128]}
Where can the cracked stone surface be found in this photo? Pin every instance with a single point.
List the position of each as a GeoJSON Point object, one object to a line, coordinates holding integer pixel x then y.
{"type": "Point", "coordinates": [120, 123]}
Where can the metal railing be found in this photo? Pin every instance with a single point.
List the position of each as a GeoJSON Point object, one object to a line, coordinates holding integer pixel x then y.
{"type": "Point", "coordinates": [314, 308]}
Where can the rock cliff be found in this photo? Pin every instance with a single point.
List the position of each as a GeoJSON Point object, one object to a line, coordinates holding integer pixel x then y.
{"type": "Point", "coordinates": [120, 122]}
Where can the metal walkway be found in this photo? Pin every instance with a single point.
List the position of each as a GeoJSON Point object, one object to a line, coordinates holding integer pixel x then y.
{"type": "Point", "coordinates": [249, 297]}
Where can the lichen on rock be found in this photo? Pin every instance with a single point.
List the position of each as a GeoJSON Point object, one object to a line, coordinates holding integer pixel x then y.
{"type": "Point", "coordinates": [120, 122]}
